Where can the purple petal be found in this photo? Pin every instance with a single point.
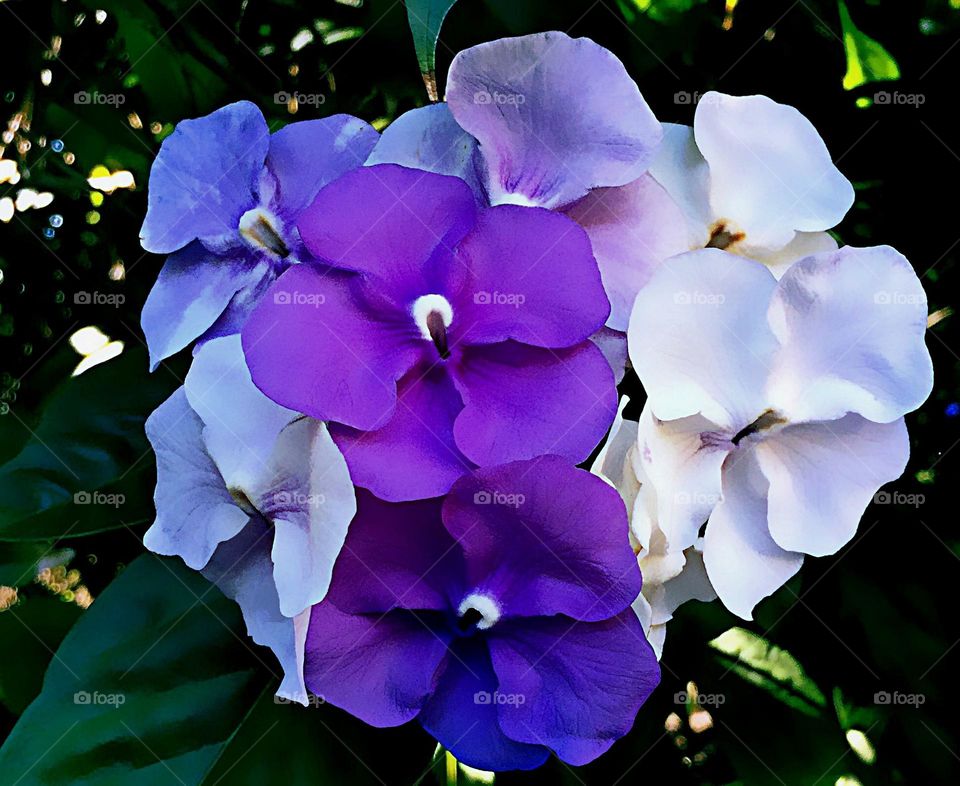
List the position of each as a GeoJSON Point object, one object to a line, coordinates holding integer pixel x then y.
{"type": "Point", "coordinates": [462, 714]}
{"type": "Point", "coordinates": [305, 156]}
{"type": "Point", "coordinates": [550, 293]}
{"type": "Point", "coordinates": [243, 570]}
{"type": "Point", "coordinates": [414, 455]}
{"type": "Point", "coordinates": [523, 401]}
{"type": "Point", "coordinates": [191, 292]}
{"type": "Point", "coordinates": [378, 667]}
{"type": "Point", "coordinates": [542, 537]}
{"type": "Point", "coordinates": [428, 138]}
{"type": "Point", "coordinates": [632, 228]}
{"type": "Point", "coordinates": [205, 177]}
{"type": "Point", "coordinates": [388, 221]}
{"type": "Point", "coordinates": [582, 683]}
{"type": "Point", "coordinates": [546, 136]}
{"type": "Point", "coordinates": [195, 512]}
{"type": "Point", "coordinates": [396, 556]}
{"type": "Point", "coordinates": [311, 347]}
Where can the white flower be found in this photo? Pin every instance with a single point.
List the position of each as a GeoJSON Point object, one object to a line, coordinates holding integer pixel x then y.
{"type": "Point", "coordinates": [671, 577]}
{"type": "Point", "coordinates": [256, 497]}
{"type": "Point", "coordinates": [753, 177]}
{"type": "Point", "coordinates": [775, 409]}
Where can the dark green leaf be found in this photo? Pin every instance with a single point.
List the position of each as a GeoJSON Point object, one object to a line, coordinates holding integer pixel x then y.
{"type": "Point", "coordinates": [426, 17]}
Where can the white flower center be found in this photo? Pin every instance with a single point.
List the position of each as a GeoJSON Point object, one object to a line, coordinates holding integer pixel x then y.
{"type": "Point", "coordinates": [433, 314]}
{"type": "Point", "coordinates": [480, 610]}
{"type": "Point", "coordinates": [258, 227]}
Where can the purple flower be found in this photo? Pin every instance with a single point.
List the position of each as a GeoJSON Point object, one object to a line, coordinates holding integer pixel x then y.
{"type": "Point", "coordinates": [499, 617]}
{"type": "Point", "coordinates": [525, 123]}
{"type": "Point", "coordinates": [445, 336]}
{"type": "Point", "coordinates": [223, 201]}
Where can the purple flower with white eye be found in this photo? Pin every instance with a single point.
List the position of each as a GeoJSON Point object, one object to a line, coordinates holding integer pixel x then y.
{"type": "Point", "coordinates": [223, 200]}
{"type": "Point", "coordinates": [753, 178]}
{"type": "Point", "coordinates": [525, 123]}
{"type": "Point", "coordinates": [499, 617]}
{"type": "Point", "coordinates": [436, 335]}
{"type": "Point", "coordinates": [775, 408]}
{"type": "Point", "coordinates": [254, 496]}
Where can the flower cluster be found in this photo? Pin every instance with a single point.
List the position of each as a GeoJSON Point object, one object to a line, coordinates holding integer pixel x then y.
{"type": "Point", "coordinates": [404, 345]}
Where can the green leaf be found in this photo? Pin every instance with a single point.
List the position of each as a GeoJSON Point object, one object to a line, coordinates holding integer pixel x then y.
{"type": "Point", "coordinates": [765, 665]}
{"type": "Point", "coordinates": [148, 687]}
{"type": "Point", "coordinates": [31, 631]}
{"type": "Point", "coordinates": [867, 60]}
{"type": "Point", "coordinates": [425, 18]}
{"type": "Point", "coordinates": [86, 465]}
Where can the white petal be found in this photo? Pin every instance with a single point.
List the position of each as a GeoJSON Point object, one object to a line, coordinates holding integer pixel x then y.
{"type": "Point", "coordinates": [240, 423]}
{"type": "Point", "coordinates": [683, 469]}
{"type": "Point", "coordinates": [614, 462]}
{"type": "Point", "coordinates": [683, 172]}
{"type": "Point", "coordinates": [195, 512]}
{"type": "Point", "coordinates": [699, 340]}
{"type": "Point", "coordinates": [823, 475]}
{"type": "Point", "coordinates": [770, 172]}
{"type": "Point", "coordinates": [309, 497]}
{"type": "Point", "coordinates": [242, 569]}
{"type": "Point", "coordinates": [804, 244]}
{"type": "Point", "coordinates": [632, 228]}
{"type": "Point", "coordinates": [743, 562]}
{"type": "Point", "coordinates": [851, 324]}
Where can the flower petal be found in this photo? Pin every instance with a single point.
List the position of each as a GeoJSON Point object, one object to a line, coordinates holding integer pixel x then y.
{"type": "Point", "coordinates": [699, 340]}
{"type": "Point", "coordinates": [543, 537]}
{"type": "Point", "coordinates": [681, 169]}
{"type": "Point", "coordinates": [462, 714]}
{"type": "Point", "coordinates": [823, 475]}
{"type": "Point", "coordinates": [545, 139]}
{"type": "Point", "coordinates": [549, 295]}
{"type": "Point", "coordinates": [743, 562]}
{"type": "Point", "coordinates": [310, 499]}
{"type": "Point", "coordinates": [770, 172]}
{"type": "Point", "coordinates": [205, 177]}
{"type": "Point", "coordinates": [378, 667]}
{"type": "Point", "coordinates": [414, 455]}
{"type": "Point", "coordinates": [682, 461]}
{"type": "Point", "coordinates": [555, 664]}
{"type": "Point", "coordinates": [310, 346]}
{"type": "Point", "coordinates": [397, 555]}
{"type": "Point", "coordinates": [241, 425]}
{"type": "Point", "coordinates": [804, 244]}
{"type": "Point", "coordinates": [632, 229]}
{"type": "Point", "coordinates": [519, 399]}
{"type": "Point", "coordinates": [428, 138]}
{"type": "Point", "coordinates": [242, 569]}
{"type": "Point", "coordinates": [388, 221]}
{"type": "Point", "coordinates": [305, 156]}
{"type": "Point", "coordinates": [851, 324]}
{"type": "Point", "coordinates": [192, 291]}
{"type": "Point", "coordinates": [195, 512]}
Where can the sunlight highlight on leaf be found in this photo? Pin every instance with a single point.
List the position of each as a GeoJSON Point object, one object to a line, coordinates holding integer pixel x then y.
{"type": "Point", "coordinates": [867, 59]}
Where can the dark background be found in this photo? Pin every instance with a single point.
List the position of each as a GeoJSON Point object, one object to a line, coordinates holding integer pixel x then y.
{"type": "Point", "coordinates": [880, 616]}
